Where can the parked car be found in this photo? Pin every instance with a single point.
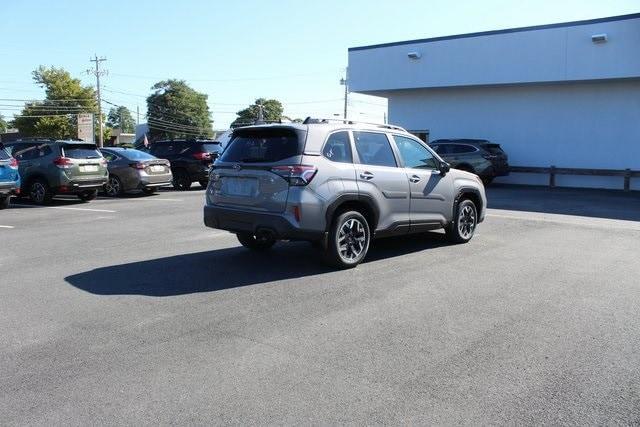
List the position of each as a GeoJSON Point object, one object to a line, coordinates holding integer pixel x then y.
{"type": "Point", "coordinates": [9, 177]}
{"type": "Point", "coordinates": [337, 184]}
{"type": "Point", "coordinates": [191, 160]}
{"type": "Point", "coordinates": [479, 156]}
{"type": "Point", "coordinates": [52, 167]}
{"type": "Point", "coordinates": [131, 170]}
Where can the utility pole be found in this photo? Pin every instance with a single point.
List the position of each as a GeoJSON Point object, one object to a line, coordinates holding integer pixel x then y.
{"type": "Point", "coordinates": [98, 72]}
{"type": "Point", "coordinates": [137, 114]}
{"type": "Point", "coordinates": [345, 83]}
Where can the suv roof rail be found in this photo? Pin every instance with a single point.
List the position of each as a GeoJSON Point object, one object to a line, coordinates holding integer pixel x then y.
{"type": "Point", "coordinates": [310, 120]}
{"type": "Point", "coordinates": [34, 138]}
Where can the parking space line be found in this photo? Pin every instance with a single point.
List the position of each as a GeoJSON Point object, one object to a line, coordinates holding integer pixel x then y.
{"type": "Point", "coordinates": [66, 208]}
{"type": "Point", "coordinates": [7, 226]}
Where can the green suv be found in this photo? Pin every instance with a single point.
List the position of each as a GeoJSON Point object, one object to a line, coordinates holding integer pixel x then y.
{"type": "Point", "coordinates": [52, 167]}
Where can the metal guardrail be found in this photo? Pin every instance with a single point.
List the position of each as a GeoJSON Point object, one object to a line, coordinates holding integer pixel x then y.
{"type": "Point", "coordinates": [552, 171]}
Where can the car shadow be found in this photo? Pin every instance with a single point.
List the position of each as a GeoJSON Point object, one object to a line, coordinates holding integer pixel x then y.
{"type": "Point", "coordinates": [25, 203]}
{"type": "Point", "coordinates": [594, 203]}
{"type": "Point", "coordinates": [227, 268]}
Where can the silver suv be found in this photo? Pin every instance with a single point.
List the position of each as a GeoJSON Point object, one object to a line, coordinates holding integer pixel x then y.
{"type": "Point", "coordinates": [338, 184]}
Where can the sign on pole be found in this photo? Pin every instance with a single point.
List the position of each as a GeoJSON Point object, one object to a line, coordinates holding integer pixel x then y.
{"type": "Point", "coordinates": [85, 127]}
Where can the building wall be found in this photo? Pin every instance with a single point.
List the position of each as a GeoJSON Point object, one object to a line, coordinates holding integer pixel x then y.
{"type": "Point", "coordinates": [547, 54]}
{"type": "Point", "coordinates": [589, 125]}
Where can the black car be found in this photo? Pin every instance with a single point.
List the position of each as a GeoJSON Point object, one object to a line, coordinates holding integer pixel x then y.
{"type": "Point", "coordinates": [191, 160]}
{"type": "Point", "coordinates": [479, 156]}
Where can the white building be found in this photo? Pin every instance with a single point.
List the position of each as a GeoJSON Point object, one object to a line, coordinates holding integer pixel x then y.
{"type": "Point", "coordinates": [565, 94]}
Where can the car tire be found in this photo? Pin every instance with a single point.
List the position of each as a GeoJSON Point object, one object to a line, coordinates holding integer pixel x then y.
{"type": "Point", "coordinates": [87, 196]}
{"type": "Point", "coordinates": [4, 202]}
{"type": "Point", "coordinates": [149, 191]}
{"type": "Point", "coordinates": [464, 222]}
{"type": "Point", "coordinates": [203, 184]}
{"type": "Point", "coordinates": [113, 187]}
{"type": "Point", "coordinates": [255, 243]}
{"type": "Point", "coordinates": [39, 192]}
{"type": "Point", "coordinates": [349, 239]}
{"type": "Point", "coordinates": [181, 180]}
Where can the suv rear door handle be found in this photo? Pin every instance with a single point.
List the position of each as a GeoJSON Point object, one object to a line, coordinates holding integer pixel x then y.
{"type": "Point", "coordinates": [366, 175]}
{"type": "Point", "coordinates": [414, 178]}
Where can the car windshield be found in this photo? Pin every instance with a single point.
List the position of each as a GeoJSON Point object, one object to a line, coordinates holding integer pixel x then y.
{"type": "Point", "coordinates": [81, 151]}
{"type": "Point", "coordinates": [262, 145]}
{"type": "Point", "coordinates": [136, 155]}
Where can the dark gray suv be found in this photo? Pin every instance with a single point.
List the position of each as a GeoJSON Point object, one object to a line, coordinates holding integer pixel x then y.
{"type": "Point", "coordinates": [339, 184]}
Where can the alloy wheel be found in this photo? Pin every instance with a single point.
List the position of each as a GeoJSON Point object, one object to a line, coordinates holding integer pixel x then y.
{"type": "Point", "coordinates": [352, 240]}
{"type": "Point", "coordinates": [37, 192]}
{"type": "Point", "coordinates": [466, 221]}
{"type": "Point", "coordinates": [112, 187]}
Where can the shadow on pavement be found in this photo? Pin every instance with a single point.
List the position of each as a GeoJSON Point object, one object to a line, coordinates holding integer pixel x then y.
{"type": "Point", "coordinates": [566, 201]}
{"type": "Point", "coordinates": [229, 268]}
{"type": "Point", "coordinates": [25, 203]}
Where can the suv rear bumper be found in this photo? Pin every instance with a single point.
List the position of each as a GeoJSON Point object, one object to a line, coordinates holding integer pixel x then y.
{"type": "Point", "coordinates": [73, 186]}
{"type": "Point", "coordinates": [240, 221]}
{"type": "Point", "coordinates": [10, 187]}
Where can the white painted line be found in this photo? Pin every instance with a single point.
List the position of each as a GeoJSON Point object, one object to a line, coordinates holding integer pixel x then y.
{"type": "Point", "coordinates": [7, 226]}
{"type": "Point", "coordinates": [153, 199]}
{"type": "Point", "coordinates": [564, 219]}
{"type": "Point", "coordinates": [66, 208]}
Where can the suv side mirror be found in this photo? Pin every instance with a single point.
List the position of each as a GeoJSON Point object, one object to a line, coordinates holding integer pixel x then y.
{"type": "Point", "coordinates": [444, 168]}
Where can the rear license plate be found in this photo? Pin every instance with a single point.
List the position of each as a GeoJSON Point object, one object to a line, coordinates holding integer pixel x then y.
{"type": "Point", "coordinates": [240, 186]}
{"type": "Point", "coordinates": [157, 168]}
{"type": "Point", "coordinates": [89, 168]}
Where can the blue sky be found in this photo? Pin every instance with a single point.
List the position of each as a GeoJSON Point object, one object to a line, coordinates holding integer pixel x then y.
{"type": "Point", "coordinates": [237, 51]}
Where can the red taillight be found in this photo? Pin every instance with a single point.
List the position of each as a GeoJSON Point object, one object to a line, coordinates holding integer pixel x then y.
{"type": "Point", "coordinates": [138, 166]}
{"type": "Point", "coordinates": [298, 175]}
{"type": "Point", "coordinates": [296, 213]}
{"type": "Point", "coordinates": [202, 156]}
{"type": "Point", "coordinates": [13, 163]}
{"type": "Point", "coordinates": [63, 162]}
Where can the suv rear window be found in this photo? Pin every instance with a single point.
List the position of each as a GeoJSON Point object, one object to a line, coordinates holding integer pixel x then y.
{"type": "Point", "coordinates": [210, 148]}
{"type": "Point", "coordinates": [81, 151]}
{"type": "Point", "coordinates": [262, 145]}
{"type": "Point", "coordinates": [3, 153]}
{"type": "Point", "coordinates": [136, 155]}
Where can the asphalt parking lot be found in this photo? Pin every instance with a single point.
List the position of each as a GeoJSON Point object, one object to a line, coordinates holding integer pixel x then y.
{"type": "Point", "coordinates": [130, 311]}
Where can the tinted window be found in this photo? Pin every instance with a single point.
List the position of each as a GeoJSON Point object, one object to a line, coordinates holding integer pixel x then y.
{"type": "Point", "coordinates": [374, 149]}
{"type": "Point", "coordinates": [262, 145]}
{"type": "Point", "coordinates": [338, 148]}
{"type": "Point", "coordinates": [414, 154]}
{"type": "Point", "coordinates": [493, 148]}
{"type": "Point", "coordinates": [3, 154]}
{"type": "Point", "coordinates": [161, 149]}
{"type": "Point", "coordinates": [78, 151]}
{"type": "Point", "coordinates": [440, 148]}
{"type": "Point", "coordinates": [109, 156]}
{"type": "Point", "coordinates": [210, 148]}
{"type": "Point", "coordinates": [30, 152]}
{"type": "Point", "coordinates": [136, 155]}
{"type": "Point", "coordinates": [461, 149]}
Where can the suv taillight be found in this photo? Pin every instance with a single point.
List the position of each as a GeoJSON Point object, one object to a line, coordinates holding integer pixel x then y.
{"type": "Point", "coordinates": [202, 156]}
{"type": "Point", "coordinates": [63, 162]}
{"type": "Point", "coordinates": [299, 175]}
{"type": "Point", "coordinates": [13, 163]}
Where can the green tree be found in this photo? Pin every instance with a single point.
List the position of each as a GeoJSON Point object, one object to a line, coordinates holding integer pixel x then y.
{"type": "Point", "coordinates": [3, 124]}
{"type": "Point", "coordinates": [55, 116]}
{"type": "Point", "coordinates": [121, 117]}
{"type": "Point", "coordinates": [175, 110]}
{"type": "Point", "coordinates": [271, 112]}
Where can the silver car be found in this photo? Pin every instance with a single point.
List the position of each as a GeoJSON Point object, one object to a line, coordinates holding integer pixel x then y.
{"type": "Point", "coordinates": [339, 184]}
{"type": "Point", "coordinates": [131, 170]}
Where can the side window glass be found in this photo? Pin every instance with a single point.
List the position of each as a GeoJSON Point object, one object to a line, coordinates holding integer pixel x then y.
{"type": "Point", "coordinates": [43, 151]}
{"type": "Point", "coordinates": [374, 149]}
{"type": "Point", "coordinates": [414, 154]}
{"type": "Point", "coordinates": [338, 148]}
{"type": "Point", "coordinates": [24, 153]}
{"type": "Point", "coordinates": [108, 156]}
{"type": "Point", "coordinates": [467, 149]}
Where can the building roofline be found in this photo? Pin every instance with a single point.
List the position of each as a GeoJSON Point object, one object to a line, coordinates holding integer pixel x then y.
{"type": "Point", "coordinates": [505, 31]}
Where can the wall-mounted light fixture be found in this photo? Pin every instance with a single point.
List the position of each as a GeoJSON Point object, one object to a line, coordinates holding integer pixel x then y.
{"type": "Point", "coordinates": [414, 55]}
{"type": "Point", "coordinates": [599, 38]}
